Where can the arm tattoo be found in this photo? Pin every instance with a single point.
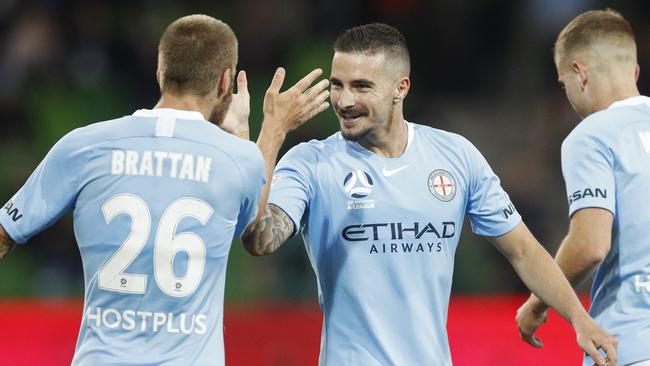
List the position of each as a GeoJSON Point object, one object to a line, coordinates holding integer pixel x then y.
{"type": "Point", "coordinates": [269, 232]}
{"type": "Point", "coordinates": [6, 244]}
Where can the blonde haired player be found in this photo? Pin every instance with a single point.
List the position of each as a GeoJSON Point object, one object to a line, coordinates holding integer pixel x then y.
{"type": "Point", "coordinates": [606, 166]}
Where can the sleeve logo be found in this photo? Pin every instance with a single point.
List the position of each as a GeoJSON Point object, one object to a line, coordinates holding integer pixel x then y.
{"type": "Point", "coordinates": [587, 192]}
{"type": "Point", "coordinates": [12, 211]}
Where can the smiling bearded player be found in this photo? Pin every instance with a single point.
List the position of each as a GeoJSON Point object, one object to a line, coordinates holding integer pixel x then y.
{"type": "Point", "coordinates": [380, 206]}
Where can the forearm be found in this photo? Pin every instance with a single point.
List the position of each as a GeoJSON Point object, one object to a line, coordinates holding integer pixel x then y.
{"type": "Point", "coordinates": [584, 248]}
{"type": "Point", "coordinates": [575, 266]}
{"type": "Point", "coordinates": [271, 226]}
{"type": "Point", "coordinates": [6, 244]}
{"type": "Point", "coordinates": [537, 270]}
{"type": "Point", "coordinates": [542, 276]}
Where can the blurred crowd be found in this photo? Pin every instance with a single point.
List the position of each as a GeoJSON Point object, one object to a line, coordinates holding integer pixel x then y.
{"type": "Point", "coordinates": [480, 68]}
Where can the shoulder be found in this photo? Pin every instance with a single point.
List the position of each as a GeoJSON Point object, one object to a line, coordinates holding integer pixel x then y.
{"type": "Point", "coordinates": [598, 129]}
{"type": "Point", "coordinates": [441, 137]}
{"type": "Point", "coordinates": [313, 150]}
{"type": "Point", "coordinates": [86, 137]}
{"type": "Point", "coordinates": [449, 144]}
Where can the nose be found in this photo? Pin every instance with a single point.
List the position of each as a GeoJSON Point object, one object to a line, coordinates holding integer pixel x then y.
{"type": "Point", "coordinates": [346, 99]}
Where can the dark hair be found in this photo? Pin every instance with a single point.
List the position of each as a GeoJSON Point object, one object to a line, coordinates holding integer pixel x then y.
{"type": "Point", "coordinates": [193, 52]}
{"type": "Point", "coordinates": [372, 39]}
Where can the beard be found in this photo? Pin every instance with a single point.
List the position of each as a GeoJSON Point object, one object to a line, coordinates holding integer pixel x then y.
{"type": "Point", "coordinates": [355, 135]}
{"type": "Point", "coordinates": [219, 111]}
{"type": "Point", "coordinates": [361, 130]}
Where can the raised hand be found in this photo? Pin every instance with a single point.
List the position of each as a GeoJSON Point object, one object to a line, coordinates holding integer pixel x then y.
{"type": "Point", "coordinates": [236, 120]}
{"type": "Point", "coordinates": [284, 111]}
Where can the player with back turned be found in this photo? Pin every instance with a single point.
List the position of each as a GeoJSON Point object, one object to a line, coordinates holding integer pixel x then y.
{"type": "Point", "coordinates": [380, 206]}
{"type": "Point", "coordinates": [157, 198]}
{"type": "Point", "coordinates": [606, 167]}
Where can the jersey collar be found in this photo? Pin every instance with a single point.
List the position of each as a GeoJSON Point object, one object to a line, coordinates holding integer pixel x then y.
{"type": "Point", "coordinates": [409, 139]}
{"type": "Point", "coordinates": [636, 100]}
{"type": "Point", "coordinates": [169, 113]}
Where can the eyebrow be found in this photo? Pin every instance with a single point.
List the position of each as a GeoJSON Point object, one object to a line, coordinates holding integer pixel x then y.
{"type": "Point", "coordinates": [370, 83]}
{"type": "Point", "coordinates": [362, 81]}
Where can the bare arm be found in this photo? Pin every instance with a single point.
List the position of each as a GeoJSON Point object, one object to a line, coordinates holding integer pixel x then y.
{"type": "Point", "coordinates": [283, 112]}
{"type": "Point", "coordinates": [584, 247]}
{"type": "Point", "coordinates": [543, 277]}
{"type": "Point", "coordinates": [269, 231]}
{"type": "Point", "coordinates": [6, 244]}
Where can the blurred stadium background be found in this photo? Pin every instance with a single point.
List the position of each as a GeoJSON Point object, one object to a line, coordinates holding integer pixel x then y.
{"type": "Point", "coordinates": [480, 68]}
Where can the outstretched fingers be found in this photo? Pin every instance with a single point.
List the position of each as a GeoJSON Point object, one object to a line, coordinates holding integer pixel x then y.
{"type": "Point", "coordinates": [305, 82]}
{"type": "Point", "coordinates": [277, 81]}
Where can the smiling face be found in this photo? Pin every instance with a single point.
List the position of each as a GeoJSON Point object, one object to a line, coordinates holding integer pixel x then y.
{"type": "Point", "coordinates": [363, 91]}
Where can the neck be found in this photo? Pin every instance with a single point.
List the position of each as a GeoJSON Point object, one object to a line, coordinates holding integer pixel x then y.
{"type": "Point", "coordinates": [184, 103]}
{"type": "Point", "coordinates": [390, 139]}
{"type": "Point", "coordinates": [611, 91]}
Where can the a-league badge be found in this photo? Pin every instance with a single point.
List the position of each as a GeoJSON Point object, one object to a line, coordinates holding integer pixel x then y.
{"type": "Point", "coordinates": [442, 185]}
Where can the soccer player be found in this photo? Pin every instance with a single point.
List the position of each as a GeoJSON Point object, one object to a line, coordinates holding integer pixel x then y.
{"type": "Point", "coordinates": [157, 198]}
{"type": "Point", "coordinates": [606, 167]}
{"type": "Point", "coordinates": [380, 206]}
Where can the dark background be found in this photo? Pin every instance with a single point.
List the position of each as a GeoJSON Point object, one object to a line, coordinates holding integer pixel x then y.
{"type": "Point", "coordinates": [480, 68]}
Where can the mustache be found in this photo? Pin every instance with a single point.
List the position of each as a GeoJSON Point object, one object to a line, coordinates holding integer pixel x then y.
{"type": "Point", "coordinates": [352, 112]}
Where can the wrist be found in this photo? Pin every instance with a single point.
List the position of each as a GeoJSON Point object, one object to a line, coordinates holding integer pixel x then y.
{"type": "Point", "coordinates": [537, 306]}
{"type": "Point", "coordinates": [271, 131]}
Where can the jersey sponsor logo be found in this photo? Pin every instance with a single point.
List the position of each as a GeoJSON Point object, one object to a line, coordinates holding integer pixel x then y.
{"type": "Point", "coordinates": [159, 163]}
{"type": "Point", "coordinates": [13, 212]}
{"type": "Point", "coordinates": [645, 140]}
{"type": "Point", "coordinates": [587, 192]}
{"type": "Point", "coordinates": [397, 237]}
{"type": "Point", "coordinates": [357, 185]}
{"type": "Point", "coordinates": [146, 321]}
{"type": "Point", "coordinates": [442, 185]}
{"type": "Point", "coordinates": [640, 285]}
{"type": "Point", "coordinates": [388, 173]}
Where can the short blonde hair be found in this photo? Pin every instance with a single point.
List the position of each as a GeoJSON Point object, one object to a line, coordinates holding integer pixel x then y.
{"type": "Point", "coordinates": [593, 28]}
{"type": "Point", "coordinates": [193, 52]}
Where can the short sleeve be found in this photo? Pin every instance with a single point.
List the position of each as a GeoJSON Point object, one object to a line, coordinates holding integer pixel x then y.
{"type": "Point", "coordinates": [488, 206]}
{"type": "Point", "coordinates": [253, 182]}
{"type": "Point", "coordinates": [291, 188]}
{"type": "Point", "coordinates": [47, 195]}
{"type": "Point", "coordinates": [588, 169]}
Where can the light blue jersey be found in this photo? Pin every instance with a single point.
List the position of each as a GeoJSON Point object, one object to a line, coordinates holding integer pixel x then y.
{"type": "Point", "coordinates": [606, 164]}
{"type": "Point", "coordinates": [157, 198]}
{"type": "Point", "coordinates": [381, 236]}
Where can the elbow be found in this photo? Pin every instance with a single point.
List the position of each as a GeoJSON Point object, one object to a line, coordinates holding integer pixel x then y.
{"type": "Point", "coordinates": [255, 252]}
{"type": "Point", "coordinates": [253, 248]}
{"type": "Point", "coordinates": [594, 255]}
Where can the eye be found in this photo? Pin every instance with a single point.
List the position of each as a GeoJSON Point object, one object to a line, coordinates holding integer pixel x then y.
{"type": "Point", "coordinates": [362, 86]}
{"type": "Point", "coordinates": [335, 84]}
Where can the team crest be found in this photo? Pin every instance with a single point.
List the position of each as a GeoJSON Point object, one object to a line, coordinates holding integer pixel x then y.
{"type": "Point", "coordinates": [442, 185]}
